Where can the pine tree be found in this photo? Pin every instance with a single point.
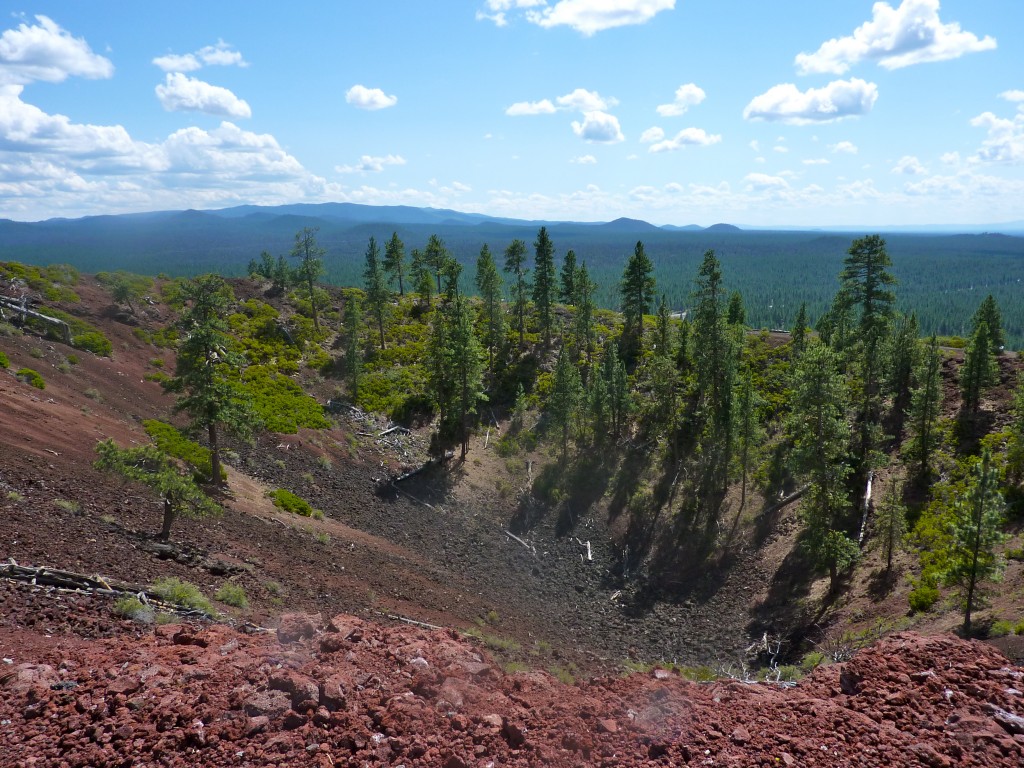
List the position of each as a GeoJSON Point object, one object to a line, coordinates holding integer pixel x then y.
{"type": "Point", "coordinates": [394, 261]}
{"type": "Point", "coordinates": [891, 523]}
{"type": "Point", "coordinates": [749, 433]}
{"type": "Point", "coordinates": [866, 282]}
{"type": "Point", "coordinates": [977, 523]}
{"type": "Point", "coordinates": [637, 291]}
{"type": "Point", "coordinates": [616, 382]}
{"type": "Point", "coordinates": [375, 286]}
{"type": "Point", "coordinates": [422, 280]}
{"type": "Point", "coordinates": [988, 313]}
{"type": "Point", "coordinates": [903, 350]}
{"type": "Point", "coordinates": [583, 321]}
{"type": "Point", "coordinates": [925, 405]}
{"type": "Point", "coordinates": [206, 367]}
{"type": "Point", "coordinates": [436, 256]}
{"type": "Point", "coordinates": [311, 265]}
{"type": "Point", "coordinates": [566, 396]}
{"type": "Point", "coordinates": [819, 434]}
{"type": "Point", "coordinates": [455, 369]}
{"type": "Point", "coordinates": [351, 324]}
{"type": "Point", "coordinates": [515, 265]}
{"type": "Point", "coordinates": [567, 279]}
{"type": "Point", "coordinates": [1015, 448]}
{"type": "Point", "coordinates": [799, 333]}
{"type": "Point", "coordinates": [715, 362]}
{"type": "Point", "coordinates": [488, 282]}
{"type": "Point", "coordinates": [979, 370]}
{"type": "Point", "coordinates": [277, 272]}
{"type": "Point", "coordinates": [152, 467]}
{"type": "Point", "coordinates": [544, 287]}
{"type": "Point", "coordinates": [736, 314]}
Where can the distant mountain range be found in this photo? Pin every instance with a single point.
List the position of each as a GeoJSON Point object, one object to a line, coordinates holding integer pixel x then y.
{"type": "Point", "coordinates": [191, 241]}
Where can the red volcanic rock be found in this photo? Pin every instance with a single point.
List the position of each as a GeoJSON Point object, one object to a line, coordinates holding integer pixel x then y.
{"type": "Point", "coordinates": [297, 626]}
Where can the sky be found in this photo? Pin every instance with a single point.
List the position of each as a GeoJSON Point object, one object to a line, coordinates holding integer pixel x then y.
{"type": "Point", "coordinates": [789, 113]}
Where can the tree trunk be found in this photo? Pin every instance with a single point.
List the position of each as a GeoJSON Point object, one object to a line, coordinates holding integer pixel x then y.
{"type": "Point", "coordinates": [169, 515]}
{"type": "Point", "coordinates": [214, 456]}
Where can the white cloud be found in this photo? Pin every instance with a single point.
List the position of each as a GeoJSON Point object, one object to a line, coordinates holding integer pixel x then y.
{"type": "Point", "coordinates": [755, 145]}
{"type": "Point", "coordinates": [599, 127]}
{"type": "Point", "coordinates": [950, 158]}
{"type": "Point", "coordinates": [371, 164]}
{"type": "Point", "coordinates": [843, 148]}
{"type": "Point", "coordinates": [582, 100]}
{"type": "Point", "coordinates": [816, 161]}
{"type": "Point", "coordinates": [44, 51]}
{"type": "Point", "coordinates": [652, 134]}
{"type": "Point", "coordinates": [584, 160]}
{"type": "Point", "coordinates": [220, 54]}
{"type": "Point", "coordinates": [1014, 95]}
{"type": "Point", "coordinates": [181, 93]}
{"type": "Point", "coordinates": [780, 149]}
{"type": "Point", "coordinates": [542, 107]}
{"type": "Point", "coordinates": [1005, 142]}
{"type": "Point", "coordinates": [837, 100]}
{"type": "Point", "coordinates": [688, 137]}
{"type": "Point", "coordinates": [687, 96]}
{"type": "Point", "coordinates": [369, 98]}
{"type": "Point", "coordinates": [52, 166]}
{"type": "Point", "coordinates": [762, 182]}
{"type": "Point", "coordinates": [591, 16]}
{"type": "Point", "coordinates": [498, 10]}
{"type": "Point", "coordinates": [895, 37]}
{"type": "Point", "coordinates": [909, 165]}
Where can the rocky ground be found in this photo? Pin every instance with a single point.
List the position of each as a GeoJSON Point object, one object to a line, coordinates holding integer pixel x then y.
{"type": "Point", "coordinates": [78, 689]}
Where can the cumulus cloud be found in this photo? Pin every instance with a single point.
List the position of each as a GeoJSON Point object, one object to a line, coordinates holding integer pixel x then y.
{"type": "Point", "coordinates": [598, 127]}
{"type": "Point", "coordinates": [837, 100]}
{"type": "Point", "coordinates": [584, 160]}
{"type": "Point", "coordinates": [909, 165]}
{"type": "Point", "coordinates": [221, 54]}
{"type": "Point", "coordinates": [369, 98]}
{"type": "Point", "coordinates": [542, 107]}
{"type": "Point", "coordinates": [591, 16]}
{"type": "Point", "coordinates": [688, 137]}
{"type": "Point", "coordinates": [1005, 142]}
{"type": "Point", "coordinates": [50, 165]}
{"type": "Point", "coordinates": [843, 148]}
{"type": "Point", "coordinates": [45, 51]}
{"type": "Point", "coordinates": [816, 161]}
{"type": "Point", "coordinates": [687, 96]}
{"type": "Point", "coordinates": [371, 164]}
{"type": "Point", "coordinates": [895, 37]}
{"type": "Point", "coordinates": [762, 182]}
{"type": "Point", "coordinates": [181, 93]}
{"type": "Point", "coordinates": [652, 134]}
{"type": "Point", "coordinates": [1014, 95]}
{"type": "Point", "coordinates": [582, 100]}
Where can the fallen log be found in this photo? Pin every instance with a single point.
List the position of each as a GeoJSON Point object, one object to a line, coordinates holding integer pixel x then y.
{"type": "Point", "coordinates": [785, 501]}
{"type": "Point", "coordinates": [528, 546]}
{"type": "Point", "coordinates": [25, 311]}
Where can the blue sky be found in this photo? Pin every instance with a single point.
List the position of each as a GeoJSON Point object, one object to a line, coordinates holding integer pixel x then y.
{"type": "Point", "coordinates": [792, 113]}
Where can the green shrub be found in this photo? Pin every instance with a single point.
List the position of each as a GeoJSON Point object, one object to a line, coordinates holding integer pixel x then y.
{"type": "Point", "coordinates": [289, 502]}
{"type": "Point", "coordinates": [158, 376]}
{"type": "Point", "coordinates": [93, 341]}
{"type": "Point", "coordinates": [812, 660]}
{"type": "Point", "coordinates": [232, 594]}
{"type": "Point", "coordinates": [279, 402]}
{"type": "Point", "coordinates": [182, 594]}
{"type": "Point", "coordinates": [923, 597]}
{"type": "Point", "coordinates": [1000, 628]}
{"type": "Point", "coordinates": [1018, 628]}
{"type": "Point", "coordinates": [68, 505]}
{"type": "Point", "coordinates": [31, 377]}
{"type": "Point", "coordinates": [5, 362]}
{"type": "Point", "coordinates": [172, 442]}
{"type": "Point", "coordinates": [35, 352]}
{"type": "Point", "coordinates": [93, 394]}
{"type": "Point", "coordinates": [73, 359]}
{"type": "Point", "coordinates": [130, 607]}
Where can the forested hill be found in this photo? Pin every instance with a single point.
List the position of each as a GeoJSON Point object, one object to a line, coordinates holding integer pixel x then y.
{"type": "Point", "coordinates": [942, 277]}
